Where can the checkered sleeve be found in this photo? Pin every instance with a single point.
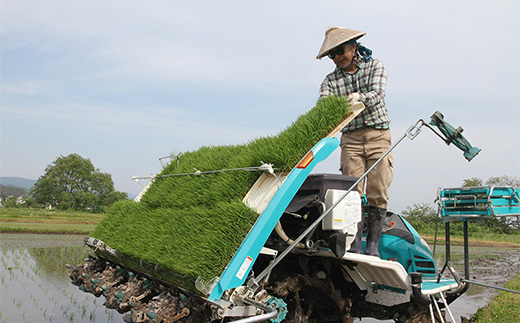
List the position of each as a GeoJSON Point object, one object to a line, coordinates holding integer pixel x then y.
{"type": "Point", "coordinates": [326, 88]}
{"type": "Point", "coordinates": [377, 84]}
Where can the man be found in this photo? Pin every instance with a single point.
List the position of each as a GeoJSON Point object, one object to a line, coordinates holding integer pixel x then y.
{"type": "Point", "coordinates": [359, 78]}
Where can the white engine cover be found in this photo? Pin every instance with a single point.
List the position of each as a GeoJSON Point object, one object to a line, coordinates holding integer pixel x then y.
{"type": "Point", "coordinates": [346, 215]}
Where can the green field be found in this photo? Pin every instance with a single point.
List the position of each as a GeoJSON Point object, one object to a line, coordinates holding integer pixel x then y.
{"type": "Point", "coordinates": [48, 221]}
{"type": "Point", "coordinates": [483, 239]}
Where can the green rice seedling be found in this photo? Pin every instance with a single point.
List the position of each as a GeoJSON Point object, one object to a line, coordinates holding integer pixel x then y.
{"type": "Point", "coordinates": [65, 309]}
{"type": "Point", "coordinates": [192, 225]}
{"type": "Point", "coordinates": [92, 316]}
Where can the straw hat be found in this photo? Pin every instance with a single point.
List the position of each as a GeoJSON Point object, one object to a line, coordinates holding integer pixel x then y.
{"type": "Point", "coordinates": [335, 36]}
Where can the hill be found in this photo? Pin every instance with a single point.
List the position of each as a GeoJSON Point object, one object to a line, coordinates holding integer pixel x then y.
{"type": "Point", "coordinates": [17, 182]}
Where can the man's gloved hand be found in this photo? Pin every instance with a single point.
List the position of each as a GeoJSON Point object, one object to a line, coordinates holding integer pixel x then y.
{"type": "Point", "coordinates": [353, 98]}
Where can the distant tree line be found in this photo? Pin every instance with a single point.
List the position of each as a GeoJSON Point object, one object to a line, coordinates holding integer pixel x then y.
{"type": "Point", "coordinates": [12, 196]}
{"type": "Point", "coordinates": [424, 215]}
{"type": "Point", "coordinates": [9, 190]}
{"type": "Point", "coordinates": [69, 183]}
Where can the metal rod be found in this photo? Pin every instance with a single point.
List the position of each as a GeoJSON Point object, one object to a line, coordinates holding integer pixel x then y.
{"type": "Point", "coordinates": [432, 315]}
{"type": "Point", "coordinates": [258, 318]}
{"type": "Point", "coordinates": [271, 312]}
{"type": "Point", "coordinates": [445, 139]}
{"type": "Point", "coordinates": [437, 308]}
{"type": "Point", "coordinates": [466, 250]}
{"type": "Point", "coordinates": [490, 286]}
{"type": "Point", "coordinates": [436, 229]}
{"type": "Point", "coordinates": [320, 218]}
{"type": "Point", "coordinates": [448, 242]}
{"type": "Point", "coordinates": [447, 307]}
{"type": "Point", "coordinates": [447, 263]}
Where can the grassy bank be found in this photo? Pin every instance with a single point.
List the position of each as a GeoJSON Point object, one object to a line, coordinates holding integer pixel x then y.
{"type": "Point", "coordinates": [47, 221]}
{"type": "Point", "coordinates": [505, 307]}
{"type": "Point", "coordinates": [481, 240]}
{"type": "Point", "coordinates": [477, 232]}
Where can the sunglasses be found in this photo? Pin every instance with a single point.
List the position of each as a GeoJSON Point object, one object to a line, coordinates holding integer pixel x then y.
{"type": "Point", "coordinates": [338, 51]}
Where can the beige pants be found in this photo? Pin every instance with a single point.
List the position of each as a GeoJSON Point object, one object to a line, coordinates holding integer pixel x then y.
{"type": "Point", "coordinates": [360, 149]}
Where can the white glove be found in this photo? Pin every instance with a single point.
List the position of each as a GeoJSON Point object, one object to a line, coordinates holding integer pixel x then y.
{"type": "Point", "coordinates": [354, 97]}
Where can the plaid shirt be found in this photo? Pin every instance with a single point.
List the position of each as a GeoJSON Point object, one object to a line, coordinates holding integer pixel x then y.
{"type": "Point", "coordinates": [369, 80]}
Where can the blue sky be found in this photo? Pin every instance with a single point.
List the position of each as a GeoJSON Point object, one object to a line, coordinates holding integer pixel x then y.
{"type": "Point", "coordinates": [124, 83]}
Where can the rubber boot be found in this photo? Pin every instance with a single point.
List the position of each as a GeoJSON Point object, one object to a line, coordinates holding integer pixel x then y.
{"type": "Point", "coordinates": [375, 220]}
{"type": "Point", "coordinates": [355, 246]}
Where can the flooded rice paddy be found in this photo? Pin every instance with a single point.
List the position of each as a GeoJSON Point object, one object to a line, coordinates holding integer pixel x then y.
{"type": "Point", "coordinates": [34, 286]}
{"type": "Point", "coordinates": [492, 266]}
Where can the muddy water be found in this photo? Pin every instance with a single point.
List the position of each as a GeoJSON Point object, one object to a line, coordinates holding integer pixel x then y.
{"type": "Point", "coordinates": [34, 286]}
{"type": "Point", "coordinates": [488, 265]}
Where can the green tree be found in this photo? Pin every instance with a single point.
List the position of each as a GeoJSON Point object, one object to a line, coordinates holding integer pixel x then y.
{"type": "Point", "coordinates": [420, 210]}
{"type": "Point", "coordinates": [472, 182]}
{"type": "Point", "coordinates": [9, 202]}
{"type": "Point", "coordinates": [8, 190]}
{"type": "Point", "coordinates": [504, 180]}
{"type": "Point", "coordinates": [72, 182]}
{"type": "Point", "coordinates": [421, 216]}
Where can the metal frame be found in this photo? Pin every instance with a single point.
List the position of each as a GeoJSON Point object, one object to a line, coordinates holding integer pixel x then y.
{"type": "Point", "coordinates": [453, 208]}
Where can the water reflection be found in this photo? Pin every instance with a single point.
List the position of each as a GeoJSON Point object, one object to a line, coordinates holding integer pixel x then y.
{"type": "Point", "coordinates": [34, 283]}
